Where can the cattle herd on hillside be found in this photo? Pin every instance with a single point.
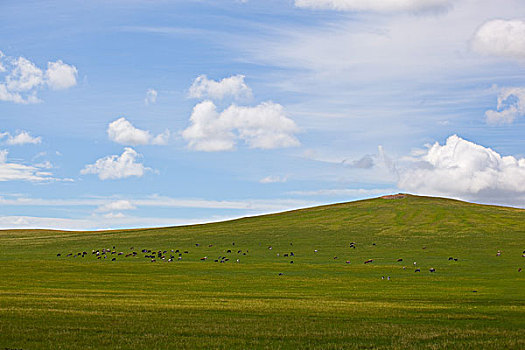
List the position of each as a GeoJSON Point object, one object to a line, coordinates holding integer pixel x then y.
{"type": "Point", "coordinates": [225, 256]}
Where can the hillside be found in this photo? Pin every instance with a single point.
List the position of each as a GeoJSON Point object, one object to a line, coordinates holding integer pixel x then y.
{"type": "Point", "coordinates": [247, 293]}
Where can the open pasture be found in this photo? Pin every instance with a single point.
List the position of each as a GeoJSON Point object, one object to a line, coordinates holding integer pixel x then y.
{"type": "Point", "coordinates": [247, 294]}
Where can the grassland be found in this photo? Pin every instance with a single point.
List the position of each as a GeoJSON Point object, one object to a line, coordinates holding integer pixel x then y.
{"type": "Point", "coordinates": [478, 301]}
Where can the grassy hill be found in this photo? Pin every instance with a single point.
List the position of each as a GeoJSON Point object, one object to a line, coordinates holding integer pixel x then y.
{"type": "Point", "coordinates": [327, 298]}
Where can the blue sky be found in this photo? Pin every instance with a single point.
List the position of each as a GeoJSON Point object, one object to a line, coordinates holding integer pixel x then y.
{"type": "Point", "coordinates": [154, 113]}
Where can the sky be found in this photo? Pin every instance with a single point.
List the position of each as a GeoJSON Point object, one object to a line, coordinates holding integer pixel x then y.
{"type": "Point", "coordinates": [147, 113]}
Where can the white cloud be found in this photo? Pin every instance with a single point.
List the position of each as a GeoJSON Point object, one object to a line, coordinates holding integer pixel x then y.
{"type": "Point", "coordinates": [22, 138]}
{"type": "Point", "coordinates": [61, 76]}
{"type": "Point", "coordinates": [273, 179]}
{"type": "Point", "coordinates": [115, 206]}
{"type": "Point", "coordinates": [123, 132]}
{"type": "Point", "coordinates": [10, 171]}
{"type": "Point", "coordinates": [233, 86]}
{"type": "Point", "coordinates": [463, 169]}
{"type": "Point", "coordinates": [117, 167]}
{"type": "Point", "coordinates": [151, 97]}
{"type": "Point", "coordinates": [24, 79]}
{"type": "Point", "coordinates": [505, 38]}
{"type": "Point", "coordinates": [377, 5]}
{"type": "Point", "coordinates": [511, 104]}
{"type": "Point", "coordinates": [263, 126]}
{"type": "Point", "coordinates": [24, 76]}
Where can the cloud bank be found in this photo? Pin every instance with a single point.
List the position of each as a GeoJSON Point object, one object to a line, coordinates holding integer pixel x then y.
{"type": "Point", "coordinates": [23, 78]}
{"type": "Point", "coordinates": [264, 126]}
{"type": "Point", "coordinates": [463, 169]}
{"type": "Point", "coordinates": [11, 171]}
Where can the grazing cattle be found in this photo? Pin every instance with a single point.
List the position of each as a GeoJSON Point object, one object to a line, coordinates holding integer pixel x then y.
{"type": "Point", "coordinates": [204, 258]}
{"type": "Point", "coordinates": [382, 277]}
{"type": "Point", "coordinates": [239, 251]}
{"type": "Point", "coordinates": [291, 254]}
{"type": "Point", "coordinates": [196, 244]}
{"type": "Point", "coordinates": [153, 260]}
{"type": "Point", "coordinates": [58, 254]}
{"type": "Point", "coordinates": [335, 257]}
{"type": "Point", "coordinates": [216, 260]}
{"type": "Point", "coordinates": [455, 259]}
{"type": "Point", "coordinates": [373, 244]}
{"type": "Point", "coordinates": [398, 260]}
{"type": "Point", "coordinates": [519, 269]}
{"type": "Point", "coordinates": [417, 270]}
{"type": "Point", "coordinates": [278, 254]}
{"type": "Point", "coordinates": [210, 245]}
{"type": "Point", "coordinates": [280, 273]}
{"type": "Point", "coordinates": [180, 258]}
{"type": "Point", "coordinates": [229, 251]}
{"type": "Point", "coordinates": [432, 269]}
{"type": "Point", "coordinates": [291, 262]}
{"type": "Point", "coordinates": [369, 261]}
{"type": "Point", "coordinates": [237, 260]}
{"type": "Point", "coordinates": [186, 252]}
{"type": "Point", "coordinates": [243, 253]}
{"type": "Point", "coordinates": [404, 267]}
{"type": "Point", "coordinates": [170, 260]}
{"type": "Point", "coordinates": [348, 261]}
{"type": "Point", "coordinates": [270, 247]}
{"type": "Point", "coordinates": [113, 259]}
{"type": "Point", "coordinates": [315, 250]}
{"type": "Point", "coordinates": [388, 278]}
{"type": "Point", "coordinates": [286, 255]}
{"type": "Point", "coordinates": [450, 258]}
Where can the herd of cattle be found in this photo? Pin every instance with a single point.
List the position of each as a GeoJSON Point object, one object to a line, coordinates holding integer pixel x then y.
{"type": "Point", "coordinates": [227, 255]}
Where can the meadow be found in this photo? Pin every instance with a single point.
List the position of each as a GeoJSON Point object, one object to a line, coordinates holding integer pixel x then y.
{"type": "Point", "coordinates": [328, 298]}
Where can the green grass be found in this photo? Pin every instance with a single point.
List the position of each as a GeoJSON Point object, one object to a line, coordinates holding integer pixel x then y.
{"type": "Point", "coordinates": [50, 302]}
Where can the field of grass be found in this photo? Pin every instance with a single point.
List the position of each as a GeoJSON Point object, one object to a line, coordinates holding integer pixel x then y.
{"type": "Point", "coordinates": [60, 302]}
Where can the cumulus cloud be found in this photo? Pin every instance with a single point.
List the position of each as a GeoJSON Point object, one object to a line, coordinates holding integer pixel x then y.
{"type": "Point", "coordinates": [22, 138]}
{"type": "Point", "coordinates": [117, 167]}
{"type": "Point", "coordinates": [24, 78]}
{"type": "Point", "coordinates": [61, 76]}
{"type": "Point", "coordinates": [233, 86]}
{"type": "Point", "coordinates": [264, 126]}
{"type": "Point", "coordinates": [416, 6]}
{"type": "Point", "coordinates": [123, 132]}
{"type": "Point", "coordinates": [12, 171]}
{"type": "Point", "coordinates": [511, 104]}
{"type": "Point", "coordinates": [116, 206]}
{"type": "Point", "coordinates": [463, 169]}
{"type": "Point", "coordinates": [151, 97]}
{"type": "Point", "coordinates": [505, 38]}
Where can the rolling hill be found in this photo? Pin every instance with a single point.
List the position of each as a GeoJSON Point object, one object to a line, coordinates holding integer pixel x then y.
{"type": "Point", "coordinates": [296, 279]}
